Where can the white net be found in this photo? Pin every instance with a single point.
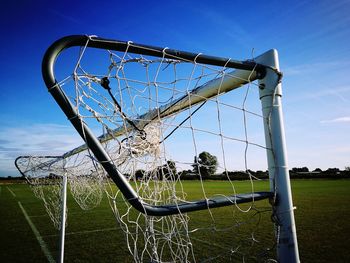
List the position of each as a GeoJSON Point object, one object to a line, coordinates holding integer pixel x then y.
{"type": "Point", "coordinates": [176, 134]}
{"type": "Point", "coordinates": [46, 182]}
{"type": "Point", "coordinates": [45, 177]}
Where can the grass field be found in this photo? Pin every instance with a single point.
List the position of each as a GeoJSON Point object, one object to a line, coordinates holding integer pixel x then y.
{"type": "Point", "coordinates": [27, 234]}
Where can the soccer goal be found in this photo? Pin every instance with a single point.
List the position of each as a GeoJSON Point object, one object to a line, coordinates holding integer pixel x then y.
{"type": "Point", "coordinates": [175, 140]}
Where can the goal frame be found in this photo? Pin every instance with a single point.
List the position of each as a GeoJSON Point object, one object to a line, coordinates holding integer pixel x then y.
{"type": "Point", "coordinates": [264, 68]}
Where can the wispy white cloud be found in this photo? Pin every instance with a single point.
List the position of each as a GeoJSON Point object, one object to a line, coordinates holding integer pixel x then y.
{"type": "Point", "coordinates": [236, 32]}
{"type": "Point", "coordinates": [66, 17]}
{"type": "Point", "coordinates": [37, 139]}
{"type": "Point", "coordinates": [341, 92]}
{"type": "Point", "coordinates": [307, 68]}
{"type": "Point", "coordinates": [345, 119]}
{"type": "Point", "coordinates": [324, 93]}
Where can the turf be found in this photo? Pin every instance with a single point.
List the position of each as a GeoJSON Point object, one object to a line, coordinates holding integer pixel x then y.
{"type": "Point", "coordinates": [322, 217]}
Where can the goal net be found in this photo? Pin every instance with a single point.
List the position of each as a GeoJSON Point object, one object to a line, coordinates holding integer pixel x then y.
{"type": "Point", "coordinates": [176, 140]}
{"type": "Point", "coordinates": [45, 175]}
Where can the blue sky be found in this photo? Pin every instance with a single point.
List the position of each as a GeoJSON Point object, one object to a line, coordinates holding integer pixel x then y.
{"type": "Point", "coordinates": [312, 38]}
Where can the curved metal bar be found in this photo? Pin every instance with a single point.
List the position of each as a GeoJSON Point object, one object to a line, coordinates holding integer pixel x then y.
{"type": "Point", "coordinates": [214, 202]}
{"type": "Point", "coordinates": [102, 43]}
{"type": "Point", "coordinates": [23, 172]}
{"type": "Point", "coordinates": [38, 167]}
{"type": "Point", "coordinates": [94, 143]}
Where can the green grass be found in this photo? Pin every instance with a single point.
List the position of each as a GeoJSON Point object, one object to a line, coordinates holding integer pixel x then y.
{"type": "Point", "coordinates": [322, 218]}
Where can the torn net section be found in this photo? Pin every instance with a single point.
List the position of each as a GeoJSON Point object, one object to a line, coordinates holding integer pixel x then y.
{"type": "Point", "coordinates": [45, 177]}
{"type": "Point", "coordinates": [166, 149]}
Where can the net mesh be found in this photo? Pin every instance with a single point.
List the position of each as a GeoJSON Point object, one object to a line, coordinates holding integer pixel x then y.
{"type": "Point", "coordinates": [175, 141]}
{"type": "Point", "coordinates": [45, 177]}
{"type": "Point", "coordinates": [46, 182]}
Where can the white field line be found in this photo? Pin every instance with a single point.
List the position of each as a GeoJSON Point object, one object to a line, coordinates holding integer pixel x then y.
{"type": "Point", "coordinates": [70, 213]}
{"type": "Point", "coordinates": [87, 232]}
{"type": "Point", "coordinates": [43, 215]}
{"type": "Point", "coordinates": [37, 235]}
{"type": "Point", "coordinates": [13, 194]}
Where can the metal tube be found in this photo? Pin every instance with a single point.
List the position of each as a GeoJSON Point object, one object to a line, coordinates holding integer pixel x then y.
{"type": "Point", "coordinates": [270, 96]}
{"type": "Point", "coordinates": [63, 217]}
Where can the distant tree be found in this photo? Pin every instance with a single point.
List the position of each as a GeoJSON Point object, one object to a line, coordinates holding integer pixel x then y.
{"type": "Point", "coordinates": [305, 169]}
{"type": "Point", "coordinates": [171, 166]}
{"type": "Point", "coordinates": [300, 170]}
{"type": "Point", "coordinates": [332, 171]}
{"type": "Point", "coordinates": [347, 168]}
{"type": "Point", "coordinates": [139, 174]}
{"type": "Point", "coordinates": [262, 174]}
{"type": "Point", "coordinates": [187, 175]}
{"type": "Point", "coordinates": [317, 170]}
{"type": "Point", "coordinates": [167, 170]}
{"type": "Point", "coordinates": [205, 164]}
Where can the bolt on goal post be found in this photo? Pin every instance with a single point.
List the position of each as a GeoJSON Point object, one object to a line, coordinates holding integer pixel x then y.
{"type": "Point", "coordinates": [138, 130]}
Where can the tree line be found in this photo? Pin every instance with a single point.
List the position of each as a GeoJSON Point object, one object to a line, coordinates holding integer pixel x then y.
{"type": "Point", "coordinates": [205, 167]}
